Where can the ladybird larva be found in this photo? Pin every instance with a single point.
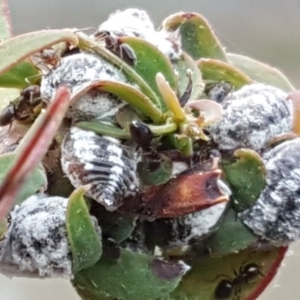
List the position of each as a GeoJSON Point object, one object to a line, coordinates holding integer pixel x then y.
{"type": "Point", "coordinates": [275, 216]}
{"type": "Point", "coordinates": [37, 239]}
{"type": "Point", "coordinates": [79, 69]}
{"type": "Point", "coordinates": [103, 163]}
{"type": "Point", "coordinates": [252, 116]}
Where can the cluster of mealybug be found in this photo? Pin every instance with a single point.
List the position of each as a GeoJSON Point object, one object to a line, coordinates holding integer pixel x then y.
{"type": "Point", "coordinates": [36, 243]}
{"type": "Point", "coordinates": [252, 116]}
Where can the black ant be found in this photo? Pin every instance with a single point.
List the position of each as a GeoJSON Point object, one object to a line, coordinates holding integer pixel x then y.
{"type": "Point", "coordinates": [227, 288]}
{"type": "Point", "coordinates": [219, 91]}
{"type": "Point", "coordinates": [24, 108]}
{"type": "Point", "coordinates": [116, 46]}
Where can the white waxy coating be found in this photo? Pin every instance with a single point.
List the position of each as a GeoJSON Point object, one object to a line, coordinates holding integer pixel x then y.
{"type": "Point", "coordinates": [136, 23]}
{"type": "Point", "coordinates": [252, 116]}
{"type": "Point", "coordinates": [101, 162]}
{"type": "Point", "coordinates": [37, 243]}
{"type": "Point", "coordinates": [78, 70]}
{"type": "Point", "coordinates": [197, 225]}
{"type": "Point", "coordinates": [38, 239]}
{"type": "Point", "coordinates": [275, 215]}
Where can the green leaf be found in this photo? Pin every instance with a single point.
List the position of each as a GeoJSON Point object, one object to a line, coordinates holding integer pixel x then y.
{"type": "Point", "coordinates": [86, 246]}
{"type": "Point", "coordinates": [15, 77]}
{"type": "Point", "coordinates": [207, 273]}
{"type": "Point", "coordinates": [37, 181]}
{"type": "Point", "coordinates": [197, 37]}
{"type": "Point", "coordinates": [104, 128]}
{"type": "Point", "coordinates": [181, 66]}
{"type": "Point", "coordinates": [115, 225]}
{"type": "Point", "coordinates": [134, 276]}
{"type": "Point", "coordinates": [149, 62]}
{"type": "Point", "coordinates": [225, 242]}
{"type": "Point", "coordinates": [217, 70]}
{"type": "Point", "coordinates": [127, 93]}
{"type": "Point", "coordinates": [5, 22]}
{"type": "Point", "coordinates": [18, 48]}
{"type": "Point", "coordinates": [161, 173]}
{"type": "Point", "coordinates": [246, 178]}
{"type": "Point", "coordinates": [260, 72]}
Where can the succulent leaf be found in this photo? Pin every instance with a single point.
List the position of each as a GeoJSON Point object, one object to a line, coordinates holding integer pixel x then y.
{"type": "Point", "coordinates": [5, 27]}
{"type": "Point", "coordinates": [15, 77]}
{"type": "Point", "coordinates": [134, 276]}
{"type": "Point", "coordinates": [216, 70]}
{"type": "Point", "coordinates": [207, 273]}
{"type": "Point", "coordinates": [197, 37]}
{"type": "Point", "coordinates": [246, 178]}
{"type": "Point", "coordinates": [103, 128]}
{"type": "Point", "coordinates": [36, 182]}
{"type": "Point", "coordinates": [260, 72]}
{"type": "Point", "coordinates": [85, 242]}
{"type": "Point", "coordinates": [18, 48]}
{"type": "Point", "coordinates": [125, 92]}
{"type": "Point", "coordinates": [224, 242]}
{"type": "Point", "coordinates": [182, 66]}
{"type": "Point", "coordinates": [149, 62]}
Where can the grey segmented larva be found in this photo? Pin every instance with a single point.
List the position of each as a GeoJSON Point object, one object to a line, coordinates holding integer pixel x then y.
{"type": "Point", "coordinates": [252, 116]}
{"type": "Point", "coordinates": [275, 216]}
{"type": "Point", "coordinates": [103, 163]}
{"type": "Point", "coordinates": [80, 69]}
{"type": "Point", "coordinates": [37, 243]}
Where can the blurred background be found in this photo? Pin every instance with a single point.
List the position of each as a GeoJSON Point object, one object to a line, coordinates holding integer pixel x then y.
{"type": "Point", "coordinates": [266, 30]}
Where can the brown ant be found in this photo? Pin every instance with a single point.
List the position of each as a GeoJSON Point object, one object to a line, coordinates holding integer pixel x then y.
{"type": "Point", "coordinates": [117, 47]}
{"type": "Point", "coordinates": [227, 288]}
{"type": "Point", "coordinates": [48, 58]}
{"type": "Point", "coordinates": [24, 108]}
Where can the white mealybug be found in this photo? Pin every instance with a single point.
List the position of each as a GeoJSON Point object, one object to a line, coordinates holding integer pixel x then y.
{"type": "Point", "coordinates": [275, 216]}
{"type": "Point", "coordinates": [252, 116]}
{"type": "Point", "coordinates": [101, 162]}
{"type": "Point", "coordinates": [37, 241]}
{"type": "Point", "coordinates": [80, 69]}
{"type": "Point", "coordinates": [195, 227]}
{"type": "Point", "coordinates": [136, 23]}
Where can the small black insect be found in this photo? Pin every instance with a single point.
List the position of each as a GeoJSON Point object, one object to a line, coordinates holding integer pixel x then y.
{"type": "Point", "coordinates": [116, 46]}
{"type": "Point", "coordinates": [7, 115]}
{"type": "Point", "coordinates": [111, 249]}
{"type": "Point", "coordinates": [219, 91]}
{"type": "Point", "coordinates": [141, 134]}
{"type": "Point", "coordinates": [227, 288]}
